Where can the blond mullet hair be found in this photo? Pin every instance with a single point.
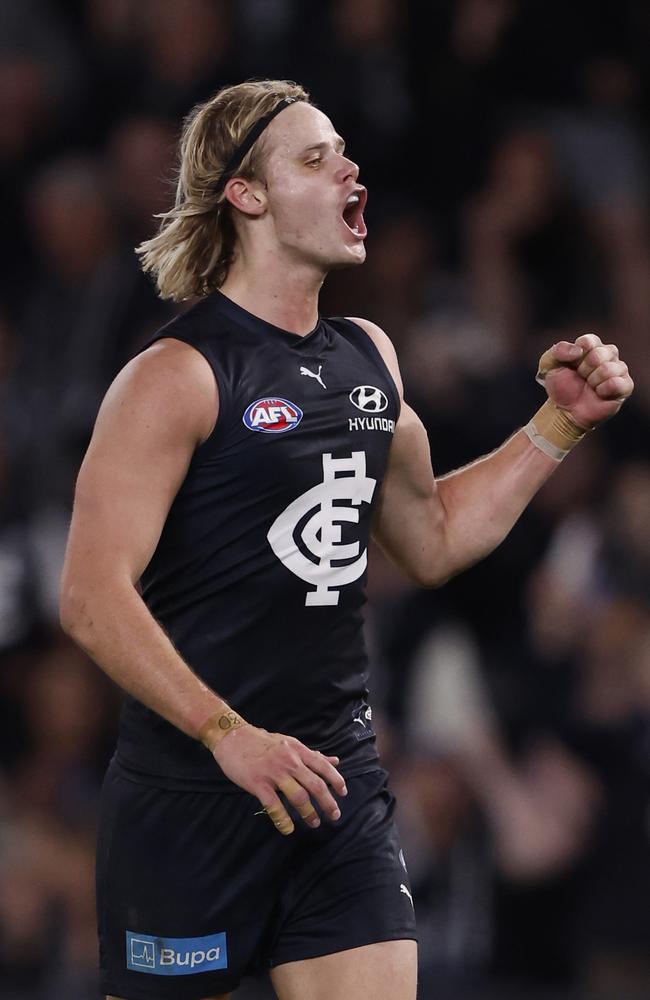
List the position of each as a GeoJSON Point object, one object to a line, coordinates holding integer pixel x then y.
{"type": "Point", "coordinates": [193, 249]}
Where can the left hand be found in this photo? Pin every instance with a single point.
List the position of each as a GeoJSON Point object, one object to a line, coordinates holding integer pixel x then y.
{"type": "Point", "coordinates": [587, 379]}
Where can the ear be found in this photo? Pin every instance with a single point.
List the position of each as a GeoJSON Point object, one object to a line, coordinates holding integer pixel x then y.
{"type": "Point", "coordinates": [246, 195]}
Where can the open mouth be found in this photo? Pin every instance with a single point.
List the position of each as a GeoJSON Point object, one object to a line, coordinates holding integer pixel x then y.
{"type": "Point", "coordinates": [353, 213]}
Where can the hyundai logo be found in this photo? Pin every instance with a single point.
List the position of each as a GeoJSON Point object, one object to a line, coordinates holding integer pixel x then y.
{"type": "Point", "coordinates": [369, 398]}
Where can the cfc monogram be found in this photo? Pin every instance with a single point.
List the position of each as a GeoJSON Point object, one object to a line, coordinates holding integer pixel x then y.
{"type": "Point", "coordinates": [343, 479]}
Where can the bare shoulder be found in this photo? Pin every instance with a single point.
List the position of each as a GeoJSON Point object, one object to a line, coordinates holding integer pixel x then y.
{"type": "Point", "coordinates": [384, 345]}
{"type": "Point", "coordinates": [170, 385]}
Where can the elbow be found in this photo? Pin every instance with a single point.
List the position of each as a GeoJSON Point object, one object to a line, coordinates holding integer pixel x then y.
{"type": "Point", "coordinates": [429, 577]}
{"type": "Point", "coordinates": [74, 614]}
{"type": "Point", "coordinates": [69, 614]}
{"type": "Point", "coordinates": [431, 567]}
{"type": "Point", "coordinates": [432, 582]}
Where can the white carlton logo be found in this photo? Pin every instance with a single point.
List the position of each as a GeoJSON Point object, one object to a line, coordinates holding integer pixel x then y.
{"type": "Point", "coordinates": [369, 398]}
{"type": "Point", "coordinates": [343, 479]}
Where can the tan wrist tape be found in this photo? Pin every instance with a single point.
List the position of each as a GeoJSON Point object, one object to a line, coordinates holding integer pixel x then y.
{"type": "Point", "coordinates": [217, 726]}
{"type": "Point", "coordinates": [553, 431]}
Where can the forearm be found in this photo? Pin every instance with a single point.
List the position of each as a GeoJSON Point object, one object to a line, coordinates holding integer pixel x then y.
{"type": "Point", "coordinates": [114, 626]}
{"type": "Point", "coordinates": [433, 530]}
{"type": "Point", "coordinates": [484, 500]}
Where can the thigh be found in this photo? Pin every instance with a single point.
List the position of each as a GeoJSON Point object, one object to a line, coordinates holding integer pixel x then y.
{"type": "Point", "coordinates": [349, 886]}
{"type": "Point", "coordinates": [383, 971]}
{"type": "Point", "coordinates": [186, 885]}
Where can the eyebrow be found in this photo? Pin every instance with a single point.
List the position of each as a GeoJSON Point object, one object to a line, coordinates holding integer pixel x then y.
{"type": "Point", "coordinates": [339, 144]}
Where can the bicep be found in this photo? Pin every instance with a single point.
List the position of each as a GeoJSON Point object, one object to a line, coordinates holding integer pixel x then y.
{"type": "Point", "coordinates": [153, 417]}
{"type": "Point", "coordinates": [408, 523]}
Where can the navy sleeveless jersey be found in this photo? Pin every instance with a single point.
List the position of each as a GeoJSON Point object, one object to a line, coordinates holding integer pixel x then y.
{"type": "Point", "coordinates": [258, 577]}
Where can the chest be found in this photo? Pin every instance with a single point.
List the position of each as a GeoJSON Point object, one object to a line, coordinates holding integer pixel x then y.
{"type": "Point", "coordinates": [287, 410]}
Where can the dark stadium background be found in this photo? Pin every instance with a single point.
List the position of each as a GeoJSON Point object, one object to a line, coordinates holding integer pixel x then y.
{"type": "Point", "coordinates": [505, 146]}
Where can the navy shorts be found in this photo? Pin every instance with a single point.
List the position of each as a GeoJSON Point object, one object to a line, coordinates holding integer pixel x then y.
{"type": "Point", "coordinates": [194, 890]}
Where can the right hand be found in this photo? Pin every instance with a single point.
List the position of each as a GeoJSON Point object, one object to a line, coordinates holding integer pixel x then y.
{"type": "Point", "coordinates": [264, 763]}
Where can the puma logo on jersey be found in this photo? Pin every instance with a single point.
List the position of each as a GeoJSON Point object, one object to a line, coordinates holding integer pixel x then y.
{"type": "Point", "coordinates": [402, 888]}
{"type": "Point", "coordinates": [316, 375]}
{"type": "Point", "coordinates": [364, 718]}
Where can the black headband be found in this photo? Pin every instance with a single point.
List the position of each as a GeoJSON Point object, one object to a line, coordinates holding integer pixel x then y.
{"type": "Point", "coordinates": [251, 137]}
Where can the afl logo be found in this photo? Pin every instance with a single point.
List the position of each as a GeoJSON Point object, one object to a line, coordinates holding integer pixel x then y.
{"type": "Point", "coordinates": [369, 398]}
{"type": "Point", "coordinates": [272, 415]}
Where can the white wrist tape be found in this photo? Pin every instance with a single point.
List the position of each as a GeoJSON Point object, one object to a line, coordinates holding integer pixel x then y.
{"type": "Point", "coordinates": [553, 432]}
{"type": "Point", "coordinates": [542, 444]}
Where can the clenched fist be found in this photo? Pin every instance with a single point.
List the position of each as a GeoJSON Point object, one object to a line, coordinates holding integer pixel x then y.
{"type": "Point", "coordinates": [586, 379]}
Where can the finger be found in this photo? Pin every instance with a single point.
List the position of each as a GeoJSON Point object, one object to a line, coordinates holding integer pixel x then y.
{"type": "Point", "coordinates": [596, 357]}
{"type": "Point", "coordinates": [562, 353]}
{"type": "Point", "coordinates": [619, 387]}
{"type": "Point", "coordinates": [320, 792]}
{"type": "Point", "coordinates": [320, 764]}
{"type": "Point", "coordinates": [277, 813]}
{"type": "Point", "coordinates": [565, 353]}
{"type": "Point", "coordinates": [610, 369]}
{"type": "Point", "coordinates": [588, 341]}
{"type": "Point", "coordinates": [300, 800]}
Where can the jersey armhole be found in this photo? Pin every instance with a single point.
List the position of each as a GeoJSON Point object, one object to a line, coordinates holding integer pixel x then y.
{"type": "Point", "coordinates": [218, 424]}
{"type": "Point", "coordinates": [376, 355]}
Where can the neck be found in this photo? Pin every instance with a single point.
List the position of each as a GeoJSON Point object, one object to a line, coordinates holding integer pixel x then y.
{"type": "Point", "coordinates": [282, 293]}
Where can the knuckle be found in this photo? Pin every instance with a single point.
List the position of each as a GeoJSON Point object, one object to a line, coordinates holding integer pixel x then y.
{"type": "Point", "coordinates": [287, 760]}
{"type": "Point", "coordinates": [284, 824]}
{"type": "Point", "coordinates": [318, 786]}
{"type": "Point", "coordinates": [275, 779]}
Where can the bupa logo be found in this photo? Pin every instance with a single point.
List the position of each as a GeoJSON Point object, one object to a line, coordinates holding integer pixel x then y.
{"type": "Point", "coordinates": [272, 415]}
{"type": "Point", "coordinates": [175, 956]}
{"type": "Point", "coordinates": [369, 398]}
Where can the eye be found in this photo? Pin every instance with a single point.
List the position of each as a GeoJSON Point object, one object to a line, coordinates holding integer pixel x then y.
{"type": "Point", "coordinates": [316, 162]}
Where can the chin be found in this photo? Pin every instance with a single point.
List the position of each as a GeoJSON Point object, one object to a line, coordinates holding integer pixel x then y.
{"type": "Point", "coordinates": [353, 256]}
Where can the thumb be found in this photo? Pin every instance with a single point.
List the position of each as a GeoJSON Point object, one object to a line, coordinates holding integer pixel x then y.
{"type": "Point", "coordinates": [562, 353]}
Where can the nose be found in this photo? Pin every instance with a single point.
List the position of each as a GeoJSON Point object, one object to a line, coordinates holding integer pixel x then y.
{"type": "Point", "coordinates": [347, 169]}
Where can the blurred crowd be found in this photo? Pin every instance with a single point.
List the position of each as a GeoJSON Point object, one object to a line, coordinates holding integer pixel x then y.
{"type": "Point", "coordinates": [505, 147]}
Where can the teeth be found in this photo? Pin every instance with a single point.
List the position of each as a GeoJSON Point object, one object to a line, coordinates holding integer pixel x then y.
{"type": "Point", "coordinates": [353, 200]}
